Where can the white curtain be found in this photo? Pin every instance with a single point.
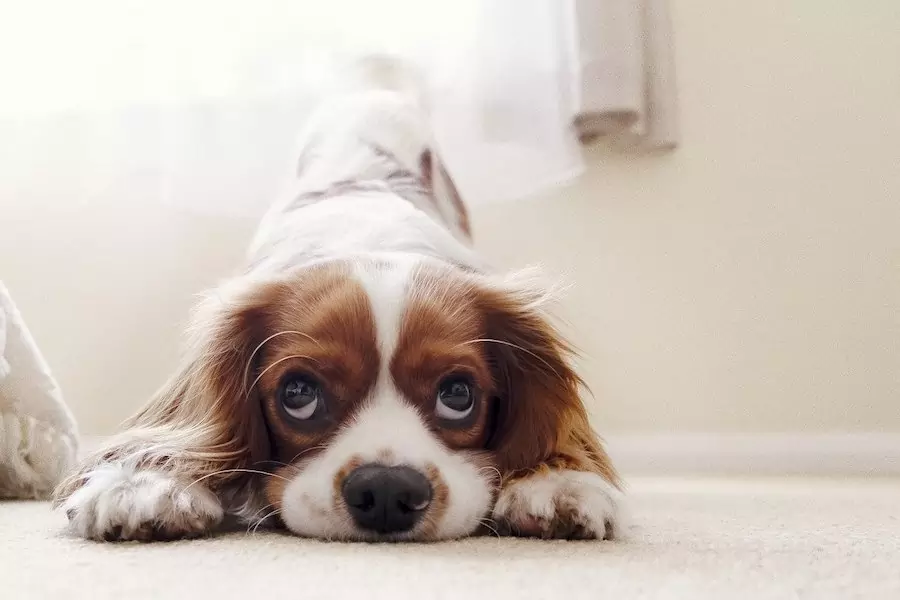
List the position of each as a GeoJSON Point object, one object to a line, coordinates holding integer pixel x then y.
{"type": "Point", "coordinates": [196, 103]}
{"type": "Point", "coordinates": [623, 72]}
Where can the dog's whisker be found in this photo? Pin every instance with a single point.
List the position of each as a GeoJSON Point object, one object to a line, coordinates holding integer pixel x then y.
{"type": "Point", "coordinates": [489, 525]}
{"type": "Point", "coordinates": [306, 450]}
{"type": "Point", "coordinates": [256, 515]}
{"type": "Point", "coordinates": [280, 360]}
{"type": "Point", "coordinates": [263, 343]}
{"type": "Point", "coordinates": [278, 463]}
{"type": "Point", "coordinates": [517, 347]}
{"type": "Point", "coordinates": [227, 471]}
{"type": "Point", "coordinates": [277, 511]}
{"type": "Point", "coordinates": [493, 470]}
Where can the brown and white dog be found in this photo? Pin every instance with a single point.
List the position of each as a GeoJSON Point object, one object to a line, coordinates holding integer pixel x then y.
{"type": "Point", "coordinates": [366, 376]}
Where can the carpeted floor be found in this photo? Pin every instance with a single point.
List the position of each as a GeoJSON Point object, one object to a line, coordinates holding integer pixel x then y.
{"type": "Point", "coordinates": [788, 538]}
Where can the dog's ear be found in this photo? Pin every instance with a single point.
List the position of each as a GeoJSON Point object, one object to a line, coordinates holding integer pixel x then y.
{"type": "Point", "coordinates": [443, 189]}
{"type": "Point", "coordinates": [211, 392]}
{"type": "Point", "coordinates": [204, 423]}
{"type": "Point", "coordinates": [540, 417]}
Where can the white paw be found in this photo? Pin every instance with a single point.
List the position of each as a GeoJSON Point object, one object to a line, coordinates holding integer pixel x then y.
{"type": "Point", "coordinates": [560, 504]}
{"type": "Point", "coordinates": [120, 503]}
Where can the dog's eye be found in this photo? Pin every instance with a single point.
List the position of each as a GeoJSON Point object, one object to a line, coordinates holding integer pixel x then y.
{"type": "Point", "coordinates": [455, 399]}
{"type": "Point", "coordinates": [301, 397]}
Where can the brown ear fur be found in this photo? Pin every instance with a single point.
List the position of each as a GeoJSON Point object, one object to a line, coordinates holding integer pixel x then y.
{"type": "Point", "coordinates": [541, 420]}
{"type": "Point", "coordinates": [203, 422]}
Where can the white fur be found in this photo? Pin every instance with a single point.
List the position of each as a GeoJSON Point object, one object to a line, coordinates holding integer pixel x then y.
{"type": "Point", "coordinates": [360, 224]}
{"type": "Point", "coordinates": [117, 496]}
{"type": "Point", "coordinates": [387, 289]}
{"type": "Point", "coordinates": [364, 137]}
{"type": "Point", "coordinates": [387, 425]}
{"type": "Point", "coordinates": [595, 503]}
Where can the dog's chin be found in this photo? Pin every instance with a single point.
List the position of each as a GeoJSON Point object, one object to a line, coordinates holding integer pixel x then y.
{"type": "Point", "coordinates": [347, 532]}
{"type": "Point", "coordinates": [373, 537]}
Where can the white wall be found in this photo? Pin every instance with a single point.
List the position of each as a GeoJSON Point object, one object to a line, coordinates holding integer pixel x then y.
{"type": "Point", "coordinates": [749, 282]}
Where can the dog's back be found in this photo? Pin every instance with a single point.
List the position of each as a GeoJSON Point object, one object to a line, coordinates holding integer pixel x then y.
{"type": "Point", "coordinates": [367, 178]}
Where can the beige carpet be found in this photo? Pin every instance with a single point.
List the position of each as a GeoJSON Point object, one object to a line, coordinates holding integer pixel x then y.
{"type": "Point", "coordinates": [691, 539]}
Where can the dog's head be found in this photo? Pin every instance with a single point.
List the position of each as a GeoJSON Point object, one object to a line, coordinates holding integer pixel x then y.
{"type": "Point", "coordinates": [387, 399]}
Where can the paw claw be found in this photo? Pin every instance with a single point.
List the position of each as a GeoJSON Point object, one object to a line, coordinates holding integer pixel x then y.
{"type": "Point", "coordinates": [113, 534]}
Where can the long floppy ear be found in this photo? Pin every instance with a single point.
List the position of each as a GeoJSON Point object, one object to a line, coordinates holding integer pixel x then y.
{"type": "Point", "coordinates": [540, 418]}
{"type": "Point", "coordinates": [203, 423]}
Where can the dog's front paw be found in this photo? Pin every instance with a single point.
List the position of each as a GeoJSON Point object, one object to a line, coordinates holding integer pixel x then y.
{"type": "Point", "coordinates": [559, 504]}
{"type": "Point", "coordinates": [117, 503]}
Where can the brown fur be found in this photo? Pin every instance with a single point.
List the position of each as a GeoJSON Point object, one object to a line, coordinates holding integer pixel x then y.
{"type": "Point", "coordinates": [212, 421]}
{"type": "Point", "coordinates": [542, 420]}
{"type": "Point", "coordinates": [532, 416]}
{"type": "Point", "coordinates": [440, 496]}
{"type": "Point", "coordinates": [337, 482]}
{"type": "Point", "coordinates": [202, 424]}
{"type": "Point", "coordinates": [337, 348]}
{"type": "Point", "coordinates": [436, 341]}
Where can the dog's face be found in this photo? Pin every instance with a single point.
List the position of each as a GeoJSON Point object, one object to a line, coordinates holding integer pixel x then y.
{"type": "Point", "coordinates": [379, 409]}
{"type": "Point", "coordinates": [393, 396]}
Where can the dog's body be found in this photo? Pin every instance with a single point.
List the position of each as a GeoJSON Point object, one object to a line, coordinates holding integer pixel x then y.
{"type": "Point", "coordinates": [366, 376]}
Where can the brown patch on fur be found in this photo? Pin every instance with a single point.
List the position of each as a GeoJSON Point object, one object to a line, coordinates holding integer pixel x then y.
{"type": "Point", "coordinates": [520, 362]}
{"type": "Point", "coordinates": [336, 346]}
{"type": "Point", "coordinates": [274, 486]}
{"type": "Point", "coordinates": [337, 483]}
{"type": "Point", "coordinates": [437, 340]}
{"type": "Point", "coordinates": [202, 425]}
{"type": "Point", "coordinates": [440, 498]}
{"type": "Point", "coordinates": [542, 420]}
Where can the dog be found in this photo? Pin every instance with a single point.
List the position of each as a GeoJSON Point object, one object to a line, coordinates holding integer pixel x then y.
{"type": "Point", "coordinates": [365, 376]}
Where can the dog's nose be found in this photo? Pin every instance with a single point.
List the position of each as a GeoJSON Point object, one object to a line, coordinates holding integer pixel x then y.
{"type": "Point", "coordinates": [386, 499]}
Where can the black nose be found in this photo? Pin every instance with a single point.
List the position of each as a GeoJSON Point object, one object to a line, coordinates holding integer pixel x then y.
{"type": "Point", "coordinates": [386, 499]}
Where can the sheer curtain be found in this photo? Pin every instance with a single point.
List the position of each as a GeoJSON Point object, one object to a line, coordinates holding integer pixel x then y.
{"type": "Point", "coordinates": [196, 103]}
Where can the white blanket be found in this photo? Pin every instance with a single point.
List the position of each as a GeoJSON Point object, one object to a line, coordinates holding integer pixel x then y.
{"type": "Point", "coordinates": [38, 436]}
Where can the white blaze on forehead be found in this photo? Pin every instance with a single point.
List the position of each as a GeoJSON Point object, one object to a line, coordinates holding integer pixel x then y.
{"type": "Point", "coordinates": [390, 425]}
{"type": "Point", "coordinates": [387, 284]}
